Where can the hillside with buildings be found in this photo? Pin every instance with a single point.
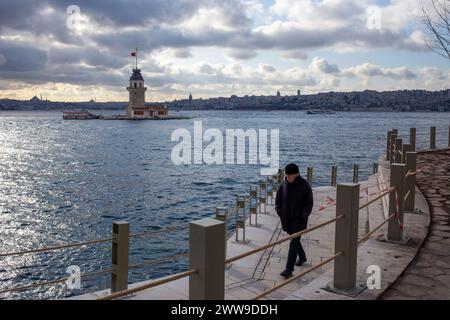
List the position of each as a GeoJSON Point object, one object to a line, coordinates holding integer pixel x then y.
{"type": "Point", "coordinates": [368, 100]}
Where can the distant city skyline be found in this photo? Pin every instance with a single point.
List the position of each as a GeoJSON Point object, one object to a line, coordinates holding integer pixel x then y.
{"type": "Point", "coordinates": [214, 48]}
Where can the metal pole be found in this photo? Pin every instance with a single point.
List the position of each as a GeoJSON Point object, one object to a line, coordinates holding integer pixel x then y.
{"type": "Point", "coordinates": [207, 255]}
{"type": "Point", "coordinates": [120, 254]}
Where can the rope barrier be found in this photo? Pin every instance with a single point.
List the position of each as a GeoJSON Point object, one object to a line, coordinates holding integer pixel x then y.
{"type": "Point", "coordinates": [407, 195]}
{"type": "Point", "coordinates": [149, 285]}
{"type": "Point", "coordinates": [301, 274]}
{"type": "Point", "coordinates": [272, 244]}
{"type": "Point", "coordinates": [150, 233]}
{"type": "Point", "coordinates": [367, 235]}
{"type": "Point", "coordinates": [371, 194]}
{"type": "Point", "coordinates": [46, 283]}
{"type": "Point", "coordinates": [90, 242]}
{"type": "Point", "coordinates": [397, 207]}
{"type": "Point", "coordinates": [149, 262]}
{"type": "Point", "coordinates": [377, 198]}
{"type": "Point", "coordinates": [72, 245]}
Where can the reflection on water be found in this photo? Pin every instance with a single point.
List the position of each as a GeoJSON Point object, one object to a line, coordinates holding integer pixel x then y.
{"type": "Point", "coordinates": [66, 181]}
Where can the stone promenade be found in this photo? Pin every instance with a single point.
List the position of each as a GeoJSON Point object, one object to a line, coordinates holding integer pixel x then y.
{"type": "Point", "coordinates": [428, 276]}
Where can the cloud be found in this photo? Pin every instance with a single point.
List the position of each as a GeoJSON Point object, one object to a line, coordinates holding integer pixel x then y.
{"type": "Point", "coordinates": [319, 65]}
{"type": "Point", "coordinates": [239, 54]}
{"type": "Point", "coordinates": [368, 70]}
{"type": "Point", "coordinates": [295, 55]}
{"type": "Point", "coordinates": [182, 53]}
{"type": "Point", "coordinates": [22, 59]}
{"type": "Point", "coordinates": [36, 47]}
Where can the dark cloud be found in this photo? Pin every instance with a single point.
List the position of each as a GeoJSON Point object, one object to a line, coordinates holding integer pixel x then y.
{"type": "Point", "coordinates": [22, 59]}
{"type": "Point", "coordinates": [42, 49]}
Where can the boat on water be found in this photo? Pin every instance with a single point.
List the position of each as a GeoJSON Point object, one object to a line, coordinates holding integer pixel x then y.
{"type": "Point", "coordinates": [326, 111]}
{"type": "Point", "coordinates": [79, 115]}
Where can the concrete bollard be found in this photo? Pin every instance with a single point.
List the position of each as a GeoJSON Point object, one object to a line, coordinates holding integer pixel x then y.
{"type": "Point", "coordinates": [346, 237]}
{"type": "Point", "coordinates": [222, 215]}
{"type": "Point", "coordinates": [395, 225]}
{"type": "Point", "coordinates": [398, 150]}
{"type": "Point", "coordinates": [280, 176]}
{"type": "Point", "coordinates": [262, 199]}
{"type": "Point", "coordinates": [207, 255]}
{"type": "Point", "coordinates": [274, 188]}
{"type": "Point", "coordinates": [412, 138]}
{"type": "Point", "coordinates": [241, 212]}
{"type": "Point", "coordinates": [309, 175]}
{"type": "Point", "coordinates": [375, 168]}
{"type": "Point", "coordinates": [120, 254]}
{"type": "Point", "coordinates": [432, 137]}
{"type": "Point", "coordinates": [355, 173]}
{"type": "Point", "coordinates": [406, 148]}
{"type": "Point", "coordinates": [449, 136]}
{"type": "Point", "coordinates": [410, 181]}
{"type": "Point", "coordinates": [392, 146]}
{"type": "Point", "coordinates": [333, 176]}
{"type": "Point", "coordinates": [253, 204]}
{"type": "Point", "coordinates": [388, 149]}
{"type": "Point", "coordinates": [269, 190]}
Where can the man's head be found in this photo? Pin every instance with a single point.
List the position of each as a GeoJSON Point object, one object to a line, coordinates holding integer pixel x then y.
{"type": "Point", "coordinates": [291, 172]}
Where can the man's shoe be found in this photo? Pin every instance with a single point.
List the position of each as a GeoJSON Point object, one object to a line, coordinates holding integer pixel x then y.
{"type": "Point", "coordinates": [286, 274]}
{"type": "Point", "coordinates": [300, 262]}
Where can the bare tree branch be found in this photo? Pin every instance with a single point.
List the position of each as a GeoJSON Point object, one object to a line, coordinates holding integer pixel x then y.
{"type": "Point", "coordinates": [436, 19]}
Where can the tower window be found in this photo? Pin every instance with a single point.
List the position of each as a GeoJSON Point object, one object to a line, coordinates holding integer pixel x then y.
{"type": "Point", "coordinates": [135, 85]}
{"type": "Point", "coordinates": [140, 85]}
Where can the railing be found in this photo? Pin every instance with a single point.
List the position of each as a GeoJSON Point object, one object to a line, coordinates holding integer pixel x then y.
{"type": "Point", "coordinates": [120, 245]}
{"type": "Point", "coordinates": [207, 280]}
{"type": "Point", "coordinates": [208, 237]}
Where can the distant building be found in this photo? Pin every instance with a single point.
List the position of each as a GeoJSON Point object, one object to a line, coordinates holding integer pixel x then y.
{"type": "Point", "coordinates": [136, 106]}
{"type": "Point", "coordinates": [190, 97]}
{"type": "Point", "coordinates": [278, 93]}
{"type": "Point", "coordinates": [35, 99]}
{"type": "Point", "coordinates": [298, 93]}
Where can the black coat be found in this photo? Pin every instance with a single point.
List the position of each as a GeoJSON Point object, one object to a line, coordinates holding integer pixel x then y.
{"type": "Point", "coordinates": [293, 204]}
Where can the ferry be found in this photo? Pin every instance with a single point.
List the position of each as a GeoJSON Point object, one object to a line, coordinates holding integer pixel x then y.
{"type": "Point", "coordinates": [79, 115]}
{"type": "Point", "coordinates": [321, 112]}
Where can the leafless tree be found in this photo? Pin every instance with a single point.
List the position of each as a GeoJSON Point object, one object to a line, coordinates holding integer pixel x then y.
{"type": "Point", "coordinates": [437, 19]}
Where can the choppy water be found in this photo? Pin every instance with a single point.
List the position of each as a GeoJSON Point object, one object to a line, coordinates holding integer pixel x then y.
{"type": "Point", "coordinates": [66, 181]}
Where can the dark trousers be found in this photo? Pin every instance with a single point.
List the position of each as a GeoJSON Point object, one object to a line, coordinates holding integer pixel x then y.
{"type": "Point", "coordinates": [295, 248]}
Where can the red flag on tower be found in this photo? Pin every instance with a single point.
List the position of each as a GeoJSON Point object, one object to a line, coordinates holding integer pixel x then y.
{"type": "Point", "coordinates": [134, 54]}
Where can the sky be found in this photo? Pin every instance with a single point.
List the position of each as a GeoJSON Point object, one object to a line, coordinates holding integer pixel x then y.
{"type": "Point", "coordinates": [214, 48]}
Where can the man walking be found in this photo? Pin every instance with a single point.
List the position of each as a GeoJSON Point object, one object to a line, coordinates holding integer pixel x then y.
{"type": "Point", "coordinates": [293, 204]}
